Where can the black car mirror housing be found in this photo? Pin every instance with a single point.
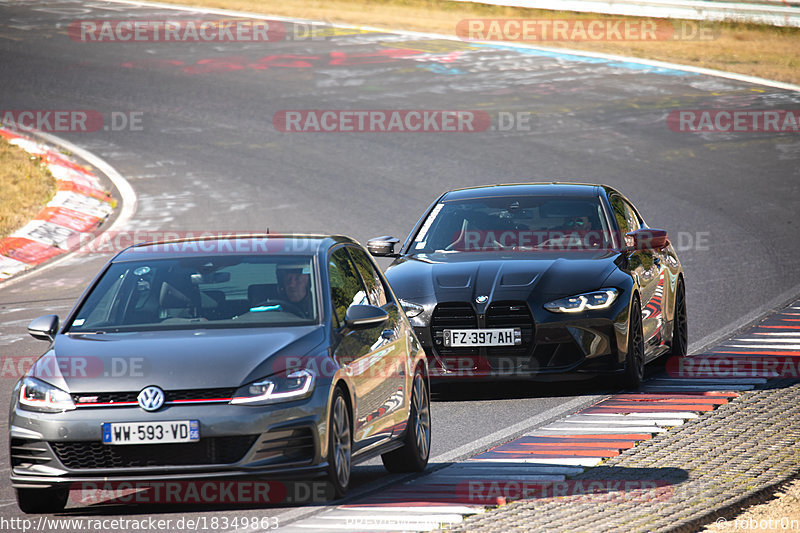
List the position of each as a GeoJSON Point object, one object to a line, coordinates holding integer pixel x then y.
{"type": "Point", "coordinates": [383, 246]}
{"type": "Point", "coordinates": [647, 239]}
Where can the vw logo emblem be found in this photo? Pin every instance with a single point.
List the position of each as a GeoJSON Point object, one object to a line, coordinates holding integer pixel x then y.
{"type": "Point", "coordinates": [482, 299]}
{"type": "Point", "coordinates": [151, 398]}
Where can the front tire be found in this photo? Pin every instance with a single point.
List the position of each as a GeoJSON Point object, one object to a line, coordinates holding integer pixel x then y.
{"type": "Point", "coordinates": [339, 445]}
{"type": "Point", "coordinates": [413, 456]}
{"type": "Point", "coordinates": [680, 335]}
{"type": "Point", "coordinates": [634, 359]}
{"type": "Point", "coordinates": [39, 501]}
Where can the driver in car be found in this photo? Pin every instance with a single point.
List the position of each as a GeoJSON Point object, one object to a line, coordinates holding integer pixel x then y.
{"type": "Point", "coordinates": [294, 287]}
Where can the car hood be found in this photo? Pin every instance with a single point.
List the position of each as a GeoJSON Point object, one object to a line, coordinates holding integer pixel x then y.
{"type": "Point", "coordinates": [172, 360]}
{"type": "Point", "coordinates": [464, 276]}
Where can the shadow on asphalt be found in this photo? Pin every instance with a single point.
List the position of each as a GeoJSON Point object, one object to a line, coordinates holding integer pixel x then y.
{"type": "Point", "coordinates": [510, 390]}
{"type": "Point", "coordinates": [520, 389]}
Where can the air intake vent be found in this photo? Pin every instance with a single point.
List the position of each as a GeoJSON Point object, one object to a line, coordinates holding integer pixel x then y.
{"type": "Point", "coordinates": [286, 446]}
{"type": "Point", "coordinates": [208, 451]}
{"type": "Point", "coordinates": [26, 452]}
{"type": "Point", "coordinates": [452, 316]}
{"type": "Point", "coordinates": [511, 315]}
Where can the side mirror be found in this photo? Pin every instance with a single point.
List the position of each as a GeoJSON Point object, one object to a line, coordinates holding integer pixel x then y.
{"type": "Point", "coordinates": [647, 239]}
{"type": "Point", "coordinates": [44, 328]}
{"type": "Point", "coordinates": [382, 246]}
{"type": "Point", "coordinates": [359, 316]}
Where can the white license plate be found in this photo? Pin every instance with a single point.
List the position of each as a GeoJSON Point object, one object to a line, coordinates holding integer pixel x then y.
{"type": "Point", "coordinates": [151, 432]}
{"type": "Point", "coordinates": [455, 338]}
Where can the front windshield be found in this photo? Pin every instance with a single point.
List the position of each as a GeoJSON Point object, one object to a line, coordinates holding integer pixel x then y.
{"type": "Point", "coordinates": [201, 292]}
{"type": "Point", "coordinates": [515, 223]}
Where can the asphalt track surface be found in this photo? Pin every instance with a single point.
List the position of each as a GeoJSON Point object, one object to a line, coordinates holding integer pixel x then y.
{"type": "Point", "coordinates": [208, 158]}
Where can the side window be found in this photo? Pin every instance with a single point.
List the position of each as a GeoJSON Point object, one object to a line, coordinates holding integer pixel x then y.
{"type": "Point", "coordinates": [625, 215]}
{"type": "Point", "coordinates": [633, 220]}
{"type": "Point", "coordinates": [618, 206]}
{"type": "Point", "coordinates": [375, 289]}
{"type": "Point", "coordinates": [346, 287]}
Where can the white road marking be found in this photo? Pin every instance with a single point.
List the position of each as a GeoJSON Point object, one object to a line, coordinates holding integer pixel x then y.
{"type": "Point", "coordinates": [697, 388]}
{"type": "Point", "coordinates": [781, 346]}
{"type": "Point", "coordinates": [669, 415]}
{"type": "Point", "coordinates": [716, 382]}
{"type": "Point", "coordinates": [558, 51]}
{"type": "Point", "coordinates": [787, 339]}
{"type": "Point", "coordinates": [622, 422]}
{"type": "Point", "coordinates": [591, 430]}
{"type": "Point", "coordinates": [399, 517]}
{"type": "Point", "coordinates": [498, 469]}
{"type": "Point", "coordinates": [493, 476]}
{"type": "Point", "coordinates": [565, 461]}
{"type": "Point", "coordinates": [431, 509]}
{"type": "Point", "coordinates": [467, 450]}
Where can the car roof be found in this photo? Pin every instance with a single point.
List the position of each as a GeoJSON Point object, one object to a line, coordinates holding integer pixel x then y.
{"type": "Point", "coordinates": [526, 189]}
{"type": "Point", "coordinates": [236, 244]}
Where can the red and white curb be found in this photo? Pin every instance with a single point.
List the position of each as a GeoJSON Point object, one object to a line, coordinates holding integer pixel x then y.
{"type": "Point", "coordinates": [80, 205]}
{"type": "Point", "coordinates": [567, 447]}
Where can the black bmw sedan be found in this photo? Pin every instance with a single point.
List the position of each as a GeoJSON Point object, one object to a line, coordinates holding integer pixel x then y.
{"type": "Point", "coordinates": [550, 281]}
{"type": "Point", "coordinates": [224, 357]}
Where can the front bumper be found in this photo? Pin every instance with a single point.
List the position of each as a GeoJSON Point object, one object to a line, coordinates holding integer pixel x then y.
{"type": "Point", "coordinates": [556, 347]}
{"type": "Point", "coordinates": [53, 449]}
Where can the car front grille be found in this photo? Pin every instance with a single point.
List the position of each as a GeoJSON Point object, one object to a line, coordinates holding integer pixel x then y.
{"type": "Point", "coordinates": [525, 357]}
{"type": "Point", "coordinates": [208, 451]}
{"type": "Point", "coordinates": [112, 399]}
{"type": "Point", "coordinates": [498, 315]}
{"type": "Point", "coordinates": [452, 316]}
{"type": "Point", "coordinates": [511, 315]}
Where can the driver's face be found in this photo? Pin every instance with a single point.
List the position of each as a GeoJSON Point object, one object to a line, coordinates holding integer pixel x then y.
{"type": "Point", "coordinates": [295, 285]}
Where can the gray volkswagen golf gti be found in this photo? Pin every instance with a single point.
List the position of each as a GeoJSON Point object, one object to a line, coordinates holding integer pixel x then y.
{"type": "Point", "coordinates": [260, 356]}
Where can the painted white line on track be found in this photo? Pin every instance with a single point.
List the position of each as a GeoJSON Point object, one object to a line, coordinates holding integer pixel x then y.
{"type": "Point", "coordinates": [492, 476]}
{"type": "Point", "coordinates": [591, 430]}
{"type": "Point", "coordinates": [466, 450]}
{"type": "Point", "coordinates": [557, 51]}
{"type": "Point", "coordinates": [499, 469]}
{"type": "Point", "coordinates": [317, 524]}
{"type": "Point", "coordinates": [756, 346]}
{"type": "Point", "coordinates": [623, 423]}
{"type": "Point", "coordinates": [565, 461]}
{"type": "Point", "coordinates": [698, 388]}
{"type": "Point", "coordinates": [775, 340]}
{"type": "Point", "coordinates": [452, 517]}
{"type": "Point", "coordinates": [752, 318]}
{"type": "Point", "coordinates": [432, 509]}
{"type": "Point", "coordinates": [716, 382]}
{"type": "Point", "coordinates": [670, 415]}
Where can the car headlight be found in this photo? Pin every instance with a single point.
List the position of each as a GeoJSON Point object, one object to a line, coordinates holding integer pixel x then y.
{"type": "Point", "coordinates": [601, 299]}
{"type": "Point", "coordinates": [280, 388]}
{"type": "Point", "coordinates": [411, 308]}
{"type": "Point", "coordinates": [36, 395]}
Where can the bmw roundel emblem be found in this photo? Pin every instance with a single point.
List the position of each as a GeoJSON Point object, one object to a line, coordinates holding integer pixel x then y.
{"type": "Point", "coordinates": [151, 398]}
{"type": "Point", "coordinates": [482, 299]}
